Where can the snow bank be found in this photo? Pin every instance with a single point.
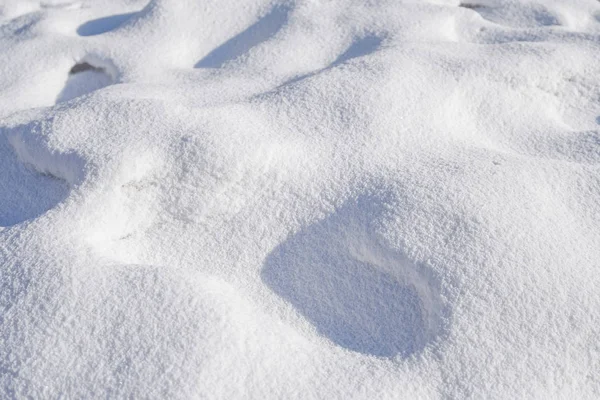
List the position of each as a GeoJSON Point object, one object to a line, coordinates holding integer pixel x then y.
{"type": "Point", "coordinates": [299, 199]}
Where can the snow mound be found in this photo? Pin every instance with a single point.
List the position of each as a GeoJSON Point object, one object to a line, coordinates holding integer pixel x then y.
{"type": "Point", "coordinates": [299, 199]}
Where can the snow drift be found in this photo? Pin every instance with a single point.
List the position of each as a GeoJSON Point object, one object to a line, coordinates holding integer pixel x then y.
{"type": "Point", "coordinates": [299, 199]}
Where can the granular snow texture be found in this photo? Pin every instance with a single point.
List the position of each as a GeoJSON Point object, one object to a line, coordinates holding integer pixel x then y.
{"type": "Point", "coordinates": [272, 199]}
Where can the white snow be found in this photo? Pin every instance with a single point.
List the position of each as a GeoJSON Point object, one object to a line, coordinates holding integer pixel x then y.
{"type": "Point", "coordinates": [322, 199]}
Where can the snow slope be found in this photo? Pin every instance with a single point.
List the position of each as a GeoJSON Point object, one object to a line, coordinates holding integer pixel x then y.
{"type": "Point", "coordinates": [300, 199]}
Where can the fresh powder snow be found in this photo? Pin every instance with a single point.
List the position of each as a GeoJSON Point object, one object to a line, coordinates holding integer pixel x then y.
{"type": "Point", "coordinates": [300, 199]}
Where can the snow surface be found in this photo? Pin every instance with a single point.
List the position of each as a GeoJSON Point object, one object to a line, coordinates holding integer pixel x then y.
{"type": "Point", "coordinates": [300, 199]}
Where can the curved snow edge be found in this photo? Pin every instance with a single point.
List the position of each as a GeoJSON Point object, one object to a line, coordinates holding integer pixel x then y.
{"type": "Point", "coordinates": [33, 151]}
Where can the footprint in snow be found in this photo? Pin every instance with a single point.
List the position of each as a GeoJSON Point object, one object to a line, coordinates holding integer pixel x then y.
{"type": "Point", "coordinates": [358, 293]}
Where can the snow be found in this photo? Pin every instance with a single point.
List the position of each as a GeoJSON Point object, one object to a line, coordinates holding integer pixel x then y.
{"type": "Point", "coordinates": [299, 199]}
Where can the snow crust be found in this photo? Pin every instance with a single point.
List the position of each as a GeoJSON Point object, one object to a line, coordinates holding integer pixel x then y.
{"type": "Point", "coordinates": [300, 199]}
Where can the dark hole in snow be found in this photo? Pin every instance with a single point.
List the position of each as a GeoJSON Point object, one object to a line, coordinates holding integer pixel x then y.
{"type": "Point", "coordinates": [472, 6]}
{"type": "Point", "coordinates": [81, 67]}
{"type": "Point", "coordinates": [84, 78]}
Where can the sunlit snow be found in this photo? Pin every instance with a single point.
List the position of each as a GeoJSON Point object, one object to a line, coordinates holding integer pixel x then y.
{"type": "Point", "coordinates": [300, 199]}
